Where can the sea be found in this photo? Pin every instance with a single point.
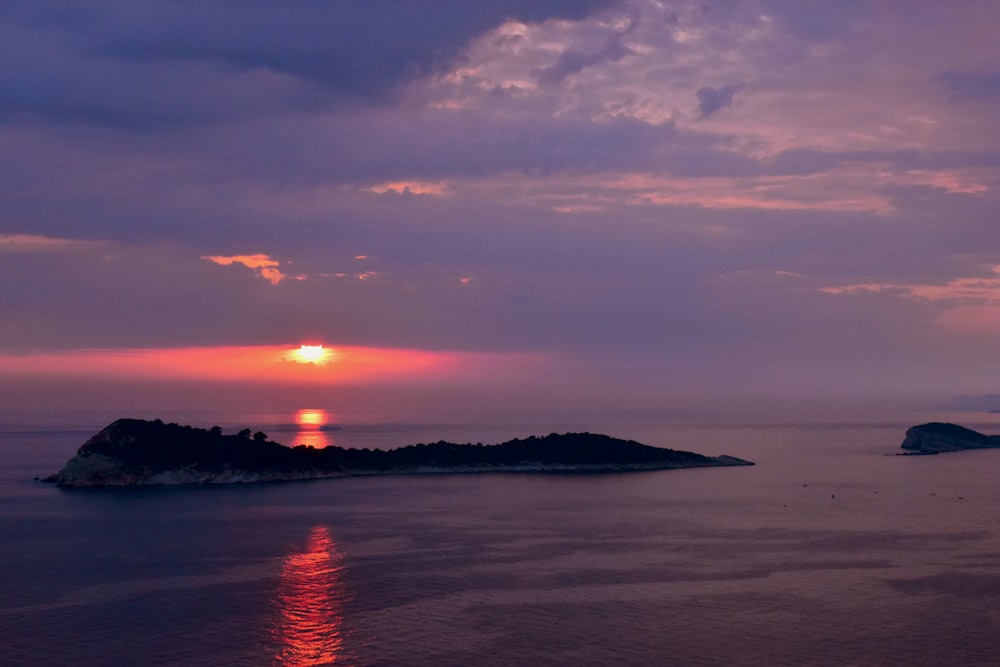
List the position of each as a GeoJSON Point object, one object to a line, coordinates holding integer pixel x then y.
{"type": "Point", "coordinates": [831, 550]}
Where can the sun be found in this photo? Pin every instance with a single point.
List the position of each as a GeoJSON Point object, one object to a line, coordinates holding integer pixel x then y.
{"type": "Point", "coordinates": [311, 354]}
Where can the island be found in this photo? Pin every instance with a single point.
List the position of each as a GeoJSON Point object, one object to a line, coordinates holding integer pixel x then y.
{"type": "Point", "coordinates": [135, 452]}
{"type": "Point", "coordinates": [937, 437]}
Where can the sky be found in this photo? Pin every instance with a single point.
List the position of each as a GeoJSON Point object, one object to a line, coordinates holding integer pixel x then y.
{"type": "Point", "coordinates": [491, 207]}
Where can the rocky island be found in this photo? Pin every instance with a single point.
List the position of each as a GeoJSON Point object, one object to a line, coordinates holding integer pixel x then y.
{"type": "Point", "coordinates": [937, 437]}
{"type": "Point", "coordinates": [133, 452]}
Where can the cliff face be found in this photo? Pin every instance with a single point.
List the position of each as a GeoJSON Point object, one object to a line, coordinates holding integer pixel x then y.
{"type": "Point", "coordinates": [936, 437]}
{"type": "Point", "coordinates": [133, 452]}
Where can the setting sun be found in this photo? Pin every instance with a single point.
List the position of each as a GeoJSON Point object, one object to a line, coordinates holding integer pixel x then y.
{"type": "Point", "coordinates": [311, 354]}
{"type": "Point", "coordinates": [311, 418]}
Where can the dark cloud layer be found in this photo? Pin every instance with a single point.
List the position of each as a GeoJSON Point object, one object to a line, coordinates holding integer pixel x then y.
{"type": "Point", "coordinates": [146, 64]}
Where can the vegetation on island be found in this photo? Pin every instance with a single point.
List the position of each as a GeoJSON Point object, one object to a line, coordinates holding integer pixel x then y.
{"type": "Point", "coordinates": [134, 451]}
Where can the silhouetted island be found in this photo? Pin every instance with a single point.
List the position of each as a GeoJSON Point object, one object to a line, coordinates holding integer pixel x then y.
{"type": "Point", "coordinates": [132, 452]}
{"type": "Point", "coordinates": [937, 437]}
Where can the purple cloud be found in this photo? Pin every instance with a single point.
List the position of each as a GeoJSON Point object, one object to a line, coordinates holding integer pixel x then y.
{"type": "Point", "coordinates": [712, 100]}
{"type": "Point", "coordinates": [153, 63]}
{"type": "Point", "coordinates": [968, 86]}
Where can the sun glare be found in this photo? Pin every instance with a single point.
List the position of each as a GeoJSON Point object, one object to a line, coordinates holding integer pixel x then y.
{"type": "Point", "coordinates": [287, 365]}
{"type": "Point", "coordinates": [312, 354]}
{"type": "Point", "coordinates": [311, 418]}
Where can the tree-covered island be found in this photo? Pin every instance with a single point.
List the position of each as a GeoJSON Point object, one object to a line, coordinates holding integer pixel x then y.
{"type": "Point", "coordinates": [131, 452]}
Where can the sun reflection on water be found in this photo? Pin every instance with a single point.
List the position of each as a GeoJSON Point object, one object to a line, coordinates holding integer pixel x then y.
{"type": "Point", "coordinates": [309, 629]}
{"type": "Point", "coordinates": [312, 423]}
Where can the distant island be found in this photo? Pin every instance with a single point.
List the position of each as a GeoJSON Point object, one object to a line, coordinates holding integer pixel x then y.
{"type": "Point", "coordinates": [937, 438]}
{"type": "Point", "coordinates": [133, 452]}
{"type": "Point", "coordinates": [974, 403]}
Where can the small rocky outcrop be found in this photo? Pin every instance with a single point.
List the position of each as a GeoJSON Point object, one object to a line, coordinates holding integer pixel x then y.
{"type": "Point", "coordinates": [132, 452]}
{"type": "Point", "coordinates": [937, 437]}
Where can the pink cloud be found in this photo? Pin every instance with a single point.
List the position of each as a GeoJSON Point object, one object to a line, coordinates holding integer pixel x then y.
{"type": "Point", "coordinates": [971, 305]}
{"type": "Point", "coordinates": [411, 187]}
{"type": "Point", "coordinates": [37, 243]}
{"type": "Point", "coordinates": [263, 265]}
{"type": "Point", "coordinates": [340, 365]}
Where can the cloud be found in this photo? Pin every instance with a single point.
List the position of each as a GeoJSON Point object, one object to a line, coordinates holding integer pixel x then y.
{"type": "Point", "coordinates": [971, 86]}
{"type": "Point", "coordinates": [346, 365]}
{"type": "Point", "coordinates": [572, 61]}
{"type": "Point", "coordinates": [410, 187]}
{"type": "Point", "coordinates": [384, 148]}
{"type": "Point", "coordinates": [970, 305]}
{"type": "Point", "coordinates": [263, 265]}
{"type": "Point", "coordinates": [29, 243]}
{"type": "Point", "coordinates": [711, 100]}
{"type": "Point", "coordinates": [141, 64]}
{"type": "Point", "coordinates": [554, 152]}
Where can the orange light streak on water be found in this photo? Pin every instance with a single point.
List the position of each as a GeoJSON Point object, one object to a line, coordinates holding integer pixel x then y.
{"type": "Point", "coordinates": [310, 433]}
{"type": "Point", "coordinates": [309, 628]}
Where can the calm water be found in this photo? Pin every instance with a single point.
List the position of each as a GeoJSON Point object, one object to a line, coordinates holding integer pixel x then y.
{"type": "Point", "coordinates": [829, 552]}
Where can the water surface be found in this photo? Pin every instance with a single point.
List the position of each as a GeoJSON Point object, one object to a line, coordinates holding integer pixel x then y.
{"type": "Point", "coordinates": [831, 551]}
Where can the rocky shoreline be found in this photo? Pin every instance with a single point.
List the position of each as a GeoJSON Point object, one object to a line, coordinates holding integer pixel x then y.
{"type": "Point", "coordinates": [938, 438]}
